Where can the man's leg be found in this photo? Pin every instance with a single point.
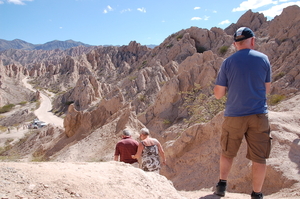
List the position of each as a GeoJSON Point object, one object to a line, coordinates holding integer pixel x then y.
{"type": "Point", "coordinates": [258, 176]}
{"type": "Point", "coordinates": [225, 166]}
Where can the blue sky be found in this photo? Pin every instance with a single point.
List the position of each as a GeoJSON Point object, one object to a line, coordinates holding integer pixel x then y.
{"type": "Point", "coordinates": [117, 22]}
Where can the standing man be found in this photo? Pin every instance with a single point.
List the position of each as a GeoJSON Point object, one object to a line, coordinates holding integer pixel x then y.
{"type": "Point", "coordinates": [125, 148]}
{"type": "Point", "coordinates": [246, 77]}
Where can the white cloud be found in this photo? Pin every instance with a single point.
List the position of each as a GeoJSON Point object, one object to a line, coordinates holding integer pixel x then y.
{"type": "Point", "coordinates": [1, 2]}
{"type": "Point", "coordinates": [126, 10]}
{"type": "Point", "coordinates": [253, 4]}
{"type": "Point", "coordinates": [196, 18]}
{"type": "Point", "coordinates": [196, 8]}
{"type": "Point", "coordinates": [206, 18]}
{"type": "Point", "coordinates": [18, 2]}
{"type": "Point", "coordinates": [276, 10]}
{"type": "Point", "coordinates": [107, 9]}
{"type": "Point", "coordinates": [224, 22]}
{"type": "Point", "coordinates": [142, 10]}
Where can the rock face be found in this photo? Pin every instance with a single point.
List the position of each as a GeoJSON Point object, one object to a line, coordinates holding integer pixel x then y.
{"type": "Point", "coordinates": [107, 89]}
{"type": "Point", "coordinates": [197, 150]}
{"type": "Point", "coordinates": [11, 89]}
{"type": "Point", "coordinates": [282, 49]}
{"type": "Point", "coordinates": [256, 21]}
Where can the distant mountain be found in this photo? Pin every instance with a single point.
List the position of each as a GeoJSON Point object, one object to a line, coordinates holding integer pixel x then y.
{"type": "Point", "coordinates": [15, 44]}
{"type": "Point", "coordinates": [52, 45]}
{"type": "Point", "coordinates": [151, 46]}
{"type": "Point", "coordinates": [62, 45]}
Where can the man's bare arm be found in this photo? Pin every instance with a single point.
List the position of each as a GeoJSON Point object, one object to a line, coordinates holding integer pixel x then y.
{"type": "Point", "coordinates": [219, 91]}
{"type": "Point", "coordinates": [268, 87]}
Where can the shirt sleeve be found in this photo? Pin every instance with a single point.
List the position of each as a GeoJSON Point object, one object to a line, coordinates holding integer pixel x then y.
{"type": "Point", "coordinates": [222, 78]}
{"type": "Point", "coordinates": [269, 72]}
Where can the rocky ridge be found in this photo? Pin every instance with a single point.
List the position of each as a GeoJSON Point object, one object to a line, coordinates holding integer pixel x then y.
{"type": "Point", "coordinates": [110, 88]}
{"type": "Point", "coordinates": [52, 45]}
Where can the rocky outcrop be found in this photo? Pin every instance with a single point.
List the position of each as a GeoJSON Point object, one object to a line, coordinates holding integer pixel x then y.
{"type": "Point", "coordinates": [77, 122]}
{"type": "Point", "coordinates": [255, 21]}
{"type": "Point", "coordinates": [83, 122]}
{"type": "Point", "coordinates": [285, 26]}
{"type": "Point", "coordinates": [199, 69]}
{"type": "Point", "coordinates": [11, 88]}
{"type": "Point", "coordinates": [282, 48]}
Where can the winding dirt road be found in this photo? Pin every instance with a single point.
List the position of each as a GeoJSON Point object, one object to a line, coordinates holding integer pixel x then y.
{"type": "Point", "coordinates": [44, 111]}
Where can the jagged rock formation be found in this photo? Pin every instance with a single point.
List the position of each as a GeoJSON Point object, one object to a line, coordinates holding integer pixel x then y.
{"type": "Point", "coordinates": [257, 22]}
{"type": "Point", "coordinates": [110, 88]}
{"type": "Point", "coordinates": [28, 58]}
{"type": "Point", "coordinates": [11, 89]}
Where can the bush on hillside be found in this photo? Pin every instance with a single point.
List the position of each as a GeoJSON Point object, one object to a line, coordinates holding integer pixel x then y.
{"type": "Point", "coordinates": [6, 108]}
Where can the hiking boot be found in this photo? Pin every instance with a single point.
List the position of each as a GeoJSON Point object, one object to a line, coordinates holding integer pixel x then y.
{"type": "Point", "coordinates": [220, 189]}
{"type": "Point", "coordinates": [256, 195]}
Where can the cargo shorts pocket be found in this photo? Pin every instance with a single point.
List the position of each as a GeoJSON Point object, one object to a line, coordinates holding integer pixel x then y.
{"type": "Point", "coordinates": [224, 140]}
{"type": "Point", "coordinates": [263, 123]}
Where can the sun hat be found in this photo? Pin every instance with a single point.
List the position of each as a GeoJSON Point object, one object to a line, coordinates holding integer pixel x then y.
{"type": "Point", "coordinates": [243, 33]}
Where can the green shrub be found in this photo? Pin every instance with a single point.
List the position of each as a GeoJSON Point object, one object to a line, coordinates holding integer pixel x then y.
{"type": "Point", "coordinates": [278, 76]}
{"type": "Point", "coordinates": [144, 63]}
{"type": "Point", "coordinates": [223, 50]}
{"type": "Point", "coordinates": [169, 45]}
{"type": "Point", "coordinates": [142, 98]}
{"type": "Point", "coordinates": [23, 103]}
{"type": "Point", "coordinates": [3, 128]}
{"type": "Point", "coordinates": [201, 107]}
{"type": "Point", "coordinates": [179, 37]}
{"type": "Point", "coordinates": [275, 99]}
{"type": "Point", "coordinates": [162, 83]}
{"type": "Point", "coordinates": [132, 78]}
{"type": "Point", "coordinates": [166, 121]}
{"type": "Point", "coordinates": [6, 108]}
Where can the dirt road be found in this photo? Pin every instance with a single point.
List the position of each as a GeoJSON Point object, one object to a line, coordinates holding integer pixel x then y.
{"type": "Point", "coordinates": [44, 111]}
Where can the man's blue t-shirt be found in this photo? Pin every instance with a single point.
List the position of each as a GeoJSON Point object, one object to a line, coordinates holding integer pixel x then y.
{"type": "Point", "coordinates": [244, 74]}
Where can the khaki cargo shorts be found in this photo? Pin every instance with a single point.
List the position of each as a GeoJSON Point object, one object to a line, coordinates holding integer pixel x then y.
{"type": "Point", "coordinates": [256, 130]}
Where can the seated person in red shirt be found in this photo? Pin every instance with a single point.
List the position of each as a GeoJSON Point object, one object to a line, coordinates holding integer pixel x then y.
{"type": "Point", "coordinates": [126, 147]}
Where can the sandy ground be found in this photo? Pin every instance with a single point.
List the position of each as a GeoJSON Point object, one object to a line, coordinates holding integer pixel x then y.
{"type": "Point", "coordinates": [91, 180]}
{"type": "Point", "coordinates": [105, 180]}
